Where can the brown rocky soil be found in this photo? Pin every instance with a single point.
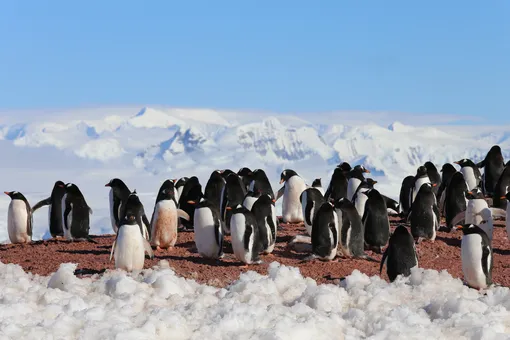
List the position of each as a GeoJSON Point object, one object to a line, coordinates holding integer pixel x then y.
{"type": "Point", "coordinates": [44, 257]}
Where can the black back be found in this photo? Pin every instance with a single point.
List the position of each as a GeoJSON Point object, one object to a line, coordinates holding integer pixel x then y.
{"type": "Point", "coordinates": [166, 192]}
{"type": "Point", "coordinates": [214, 188]}
{"type": "Point", "coordinates": [400, 254]}
{"type": "Point", "coordinates": [501, 189]}
{"type": "Point", "coordinates": [192, 191]}
{"type": "Point", "coordinates": [434, 176]}
{"type": "Point", "coordinates": [424, 213]}
{"type": "Point", "coordinates": [494, 165]}
{"type": "Point", "coordinates": [375, 220]}
{"type": "Point", "coordinates": [447, 170]}
{"type": "Point", "coordinates": [314, 200]}
{"type": "Point", "coordinates": [323, 224]}
{"type": "Point", "coordinates": [261, 183]}
{"type": "Point", "coordinates": [351, 220]}
{"type": "Point", "coordinates": [246, 175]}
{"type": "Point", "coordinates": [251, 229]}
{"type": "Point", "coordinates": [121, 193]}
{"type": "Point", "coordinates": [56, 223]}
{"type": "Point", "coordinates": [337, 185]}
{"type": "Point", "coordinates": [405, 192]}
{"type": "Point", "coordinates": [476, 171]}
{"type": "Point", "coordinates": [455, 201]}
{"type": "Point", "coordinates": [233, 195]}
{"type": "Point", "coordinates": [263, 214]}
{"type": "Point", "coordinates": [76, 205]}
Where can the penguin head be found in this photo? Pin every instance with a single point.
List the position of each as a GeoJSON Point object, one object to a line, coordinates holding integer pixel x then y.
{"type": "Point", "coordinates": [266, 199]}
{"type": "Point", "coordinates": [345, 167]}
{"type": "Point", "coordinates": [244, 172]}
{"type": "Point", "coordinates": [465, 162]}
{"type": "Point", "coordinates": [72, 189]}
{"type": "Point", "coordinates": [430, 167]}
{"type": "Point", "coordinates": [507, 196]}
{"type": "Point", "coordinates": [58, 184]}
{"type": "Point", "coordinates": [181, 182]}
{"type": "Point", "coordinates": [167, 191]}
{"type": "Point", "coordinates": [226, 173]}
{"type": "Point", "coordinates": [361, 168]}
{"type": "Point", "coordinates": [401, 230]}
{"type": "Point", "coordinates": [115, 183]}
{"type": "Point", "coordinates": [470, 229]}
{"type": "Point", "coordinates": [15, 195]}
{"type": "Point", "coordinates": [448, 168]}
{"type": "Point", "coordinates": [317, 183]}
{"type": "Point", "coordinates": [286, 175]}
{"type": "Point", "coordinates": [371, 182]}
{"type": "Point", "coordinates": [476, 193]}
{"type": "Point", "coordinates": [421, 171]}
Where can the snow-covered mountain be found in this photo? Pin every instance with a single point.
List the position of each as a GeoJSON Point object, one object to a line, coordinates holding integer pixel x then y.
{"type": "Point", "coordinates": [144, 147]}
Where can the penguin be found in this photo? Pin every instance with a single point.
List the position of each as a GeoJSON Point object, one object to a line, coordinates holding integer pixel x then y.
{"type": "Point", "coordinates": [75, 214]}
{"type": "Point", "coordinates": [470, 172]}
{"type": "Point", "coordinates": [233, 195]}
{"type": "Point", "coordinates": [359, 199]}
{"type": "Point", "coordinates": [493, 165]}
{"type": "Point", "coordinates": [424, 215]}
{"type": "Point", "coordinates": [325, 233]}
{"type": "Point", "coordinates": [214, 188]}
{"type": "Point", "coordinates": [19, 218]}
{"type": "Point", "coordinates": [265, 215]}
{"type": "Point", "coordinates": [434, 176]}
{"type": "Point", "coordinates": [250, 198]}
{"type": "Point", "coordinates": [226, 172]}
{"type": "Point", "coordinates": [317, 184]}
{"type": "Point", "coordinates": [245, 235]}
{"type": "Point", "coordinates": [311, 200]}
{"type": "Point", "coordinates": [165, 218]}
{"type": "Point", "coordinates": [54, 209]}
{"type": "Point", "coordinates": [405, 192]}
{"type": "Point", "coordinates": [119, 192]}
{"type": "Point", "coordinates": [337, 187]}
{"type": "Point", "coordinates": [179, 187]}
{"type": "Point", "coordinates": [420, 178]}
{"type": "Point", "coordinates": [501, 188]}
{"type": "Point", "coordinates": [355, 178]}
{"type": "Point", "coordinates": [447, 172]}
{"type": "Point", "coordinates": [375, 221]}
{"type": "Point", "coordinates": [246, 175]}
{"type": "Point", "coordinates": [455, 199]}
{"type": "Point", "coordinates": [208, 230]}
{"type": "Point", "coordinates": [130, 246]}
{"type": "Point", "coordinates": [507, 220]}
{"type": "Point", "coordinates": [346, 167]}
{"type": "Point", "coordinates": [192, 191]}
{"type": "Point", "coordinates": [477, 257]}
{"type": "Point", "coordinates": [292, 211]}
{"type": "Point", "coordinates": [260, 183]}
{"type": "Point", "coordinates": [400, 255]}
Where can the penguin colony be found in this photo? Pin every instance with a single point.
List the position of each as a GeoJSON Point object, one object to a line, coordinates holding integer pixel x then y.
{"type": "Point", "coordinates": [345, 220]}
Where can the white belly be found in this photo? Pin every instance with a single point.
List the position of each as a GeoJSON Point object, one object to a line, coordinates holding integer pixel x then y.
{"type": "Point", "coordinates": [249, 201]}
{"type": "Point", "coordinates": [164, 224]}
{"type": "Point", "coordinates": [275, 221]}
{"type": "Point", "coordinates": [112, 213]}
{"type": "Point", "coordinates": [67, 231]}
{"type": "Point", "coordinates": [488, 225]}
{"type": "Point", "coordinates": [291, 207]}
{"type": "Point", "coordinates": [352, 186]}
{"type": "Point", "coordinates": [417, 185]}
{"type": "Point", "coordinates": [471, 253]}
{"type": "Point", "coordinates": [205, 238]}
{"type": "Point", "coordinates": [469, 177]}
{"type": "Point", "coordinates": [237, 231]}
{"type": "Point", "coordinates": [17, 218]}
{"type": "Point", "coordinates": [129, 250]}
{"type": "Point", "coordinates": [473, 209]}
{"type": "Point", "coordinates": [179, 192]}
{"type": "Point", "coordinates": [176, 194]}
{"type": "Point", "coordinates": [360, 202]}
{"type": "Point", "coordinates": [334, 249]}
{"type": "Point", "coordinates": [303, 209]}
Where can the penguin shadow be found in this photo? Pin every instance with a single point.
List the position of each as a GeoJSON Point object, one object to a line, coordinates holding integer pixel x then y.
{"type": "Point", "coordinates": [284, 238]}
{"type": "Point", "coordinates": [450, 241]}
{"type": "Point", "coordinates": [202, 260]}
{"type": "Point", "coordinates": [501, 251]}
{"type": "Point", "coordinates": [190, 246]}
{"type": "Point", "coordinates": [85, 252]}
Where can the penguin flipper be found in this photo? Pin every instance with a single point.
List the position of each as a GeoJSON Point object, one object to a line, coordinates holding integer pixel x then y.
{"type": "Point", "coordinates": [145, 227]}
{"type": "Point", "coordinates": [280, 193]}
{"type": "Point", "coordinates": [90, 211]}
{"type": "Point", "coordinates": [481, 164]}
{"type": "Point", "coordinates": [182, 214]}
{"type": "Point", "coordinates": [383, 260]}
{"type": "Point", "coordinates": [41, 204]}
{"type": "Point", "coordinates": [148, 248]}
{"type": "Point", "coordinates": [113, 249]}
{"type": "Point", "coordinates": [458, 218]}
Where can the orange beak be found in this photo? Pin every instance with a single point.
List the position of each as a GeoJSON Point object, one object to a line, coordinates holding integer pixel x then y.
{"type": "Point", "coordinates": [434, 185]}
{"type": "Point", "coordinates": [274, 201]}
{"type": "Point", "coordinates": [282, 180]}
{"type": "Point", "coordinates": [228, 208]}
{"type": "Point", "coordinates": [502, 197]}
{"type": "Point", "coordinates": [107, 185]}
{"type": "Point", "coordinates": [459, 227]}
{"type": "Point", "coordinates": [470, 192]}
{"type": "Point", "coordinates": [367, 171]}
{"type": "Point", "coordinates": [7, 193]}
{"type": "Point", "coordinates": [457, 162]}
{"type": "Point", "coordinates": [191, 202]}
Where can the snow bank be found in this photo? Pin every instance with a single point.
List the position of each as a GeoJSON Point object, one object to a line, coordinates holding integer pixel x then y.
{"type": "Point", "coordinates": [157, 304]}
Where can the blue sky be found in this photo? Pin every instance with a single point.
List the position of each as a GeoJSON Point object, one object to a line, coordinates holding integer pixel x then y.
{"type": "Point", "coordinates": [283, 56]}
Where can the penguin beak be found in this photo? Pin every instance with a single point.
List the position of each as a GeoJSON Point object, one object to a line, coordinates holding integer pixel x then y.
{"type": "Point", "coordinates": [459, 227]}
{"type": "Point", "coordinates": [434, 184]}
{"type": "Point", "coordinates": [174, 180]}
{"type": "Point", "coordinates": [374, 182]}
{"type": "Point", "coordinates": [107, 185]}
{"type": "Point", "coordinates": [282, 180]}
{"type": "Point", "coordinates": [228, 208]}
{"type": "Point", "coordinates": [61, 186]}
{"type": "Point", "coordinates": [470, 193]}
{"type": "Point", "coordinates": [367, 171]}
{"type": "Point", "coordinates": [7, 193]}
{"type": "Point", "coordinates": [457, 162]}
{"type": "Point", "coordinates": [191, 202]}
{"type": "Point", "coordinates": [274, 201]}
{"type": "Point", "coordinates": [502, 197]}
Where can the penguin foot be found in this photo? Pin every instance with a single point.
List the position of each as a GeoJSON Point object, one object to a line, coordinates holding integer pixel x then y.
{"type": "Point", "coordinates": [244, 266]}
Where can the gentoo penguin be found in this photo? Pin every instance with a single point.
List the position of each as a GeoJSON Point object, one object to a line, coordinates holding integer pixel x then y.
{"type": "Point", "coordinates": [226, 172]}
{"type": "Point", "coordinates": [208, 230]}
{"type": "Point", "coordinates": [359, 199]}
{"type": "Point", "coordinates": [179, 187]}
{"type": "Point", "coordinates": [400, 255]}
{"type": "Point", "coordinates": [75, 213]}
{"type": "Point", "coordinates": [424, 215]}
{"type": "Point", "coordinates": [476, 254]}
{"type": "Point", "coordinates": [493, 165]}
{"type": "Point", "coordinates": [246, 175]}
{"type": "Point", "coordinates": [19, 218]}
{"type": "Point", "coordinates": [311, 199]}
{"type": "Point", "coordinates": [292, 189]}
{"type": "Point", "coordinates": [434, 176]}
{"type": "Point", "coordinates": [447, 172]}
{"type": "Point", "coordinates": [406, 188]}
{"type": "Point", "coordinates": [260, 183]}
{"type": "Point", "coordinates": [130, 246]}
{"type": "Point", "coordinates": [337, 187]}
{"type": "Point", "coordinates": [501, 188]}
{"type": "Point", "coordinates": [471, 173]}
{"type": "Point", "coordinates": [245, 235]}
{"type": "Point", "coordinates": [265, 214]}
{"type": "Point", "coordinates": [250, 198]}
{"type": "Point", "coordinates": [317, 184]}
{"type": "Point", "coordinates": [325, 233]}
{"type": "Point", "coordinates": [165, 217]}
{"type": "Point", "coordinates": [355, 177]}
{"type": "Point", "coordinates": [233, 195]}
{"type": "Point", "coordinates": [192, 191]}
{"type": "Point", "coordinates": [375, 221]}
{"type": "Point", "coordinates": [455, 199]}
{"type": "Point", "coordinates": [214, 188]}
{"type": "Point", "coordinates": [119, 192]}
{"type": "Point", "coordinates": [54, 203]}
{"type": "Point", "coordinates": [420, 178]}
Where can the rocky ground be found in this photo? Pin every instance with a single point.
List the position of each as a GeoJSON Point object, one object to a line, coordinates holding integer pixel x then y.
{"type": "Point", "coordinates": [44, 257]}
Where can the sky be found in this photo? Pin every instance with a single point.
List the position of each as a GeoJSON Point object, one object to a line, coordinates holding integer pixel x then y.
{"type": "Point", "coordinates": [429, 57]}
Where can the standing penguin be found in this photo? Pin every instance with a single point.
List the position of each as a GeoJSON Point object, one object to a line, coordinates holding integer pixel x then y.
{"type": "Point", "coordinates": [54, 203]}
{"type": "Point", "coordinates": [507, 220]}
{"type": "Point", "coordinates": [292, 211]}
{"type": "Point", "coordinates": [406, 188]}
{"type": "Point", "coordinates": [233, 195]}
{"type": "Point", "coordinates": [325, 232]}
{"type": "Point", "coordinates": [250, 198]}
{"type": "Point", "coordinates": [19, 218]}
{"type": "Point", "coordinates": [76, 213]}
{"type": "Point", "coordinates": [260, 183]}
{"type": "Point", "coordinates": [375, 221]}
{"type": "Point", "coordinates": [165, 218]}
{"type": "Point", "coordinates": [179, 187]}
{"type": "Point", "coordinates": [494, 166]}
{"type": "Point", "coordinates": [355, 178]}
{"type": "Point", "coordinates": [424, 215]}
{"type": "Point", "coordinates": [337, 187]}
{"type": "Point", "coordinates": [192, 191]}
{"type": "Point", "coordinates": [501, 188]}
{"type": "Point", "coordinates": [360, 199]}
{"type": "Point", "coordinates": [470, 172]}
{"type": "Point", "coordinates": [434, 176]}
{"type": "Point", "coordinates": [246, 176]}
{"type": "Point", "coordinates": [421, 178]}
{"type": "Point", "coordinates": [119, 192]}
{"type": "Point", "coordinates": [245, 235]}
{"type": "Point", "coordinates": [130, 246]}
{"type": "Point", "coordinates": [447, 170]}
{"type": "Point", "coordinates": [311, 199]}
{"type": "Point", "coordinates": [208, 230]}
{"type": "Point", "coordinates": [265, 215]}
{"type": "Point", "coordinates": [214, 188]}
{"type": "Point", "coordinates": [317, 184]}
{"type": "Point", "coordinates": [400, 256]}
{"type": "Point", "coordinates": [476, 254]}
{"type": "Point", "coordinates": [455, 199]}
